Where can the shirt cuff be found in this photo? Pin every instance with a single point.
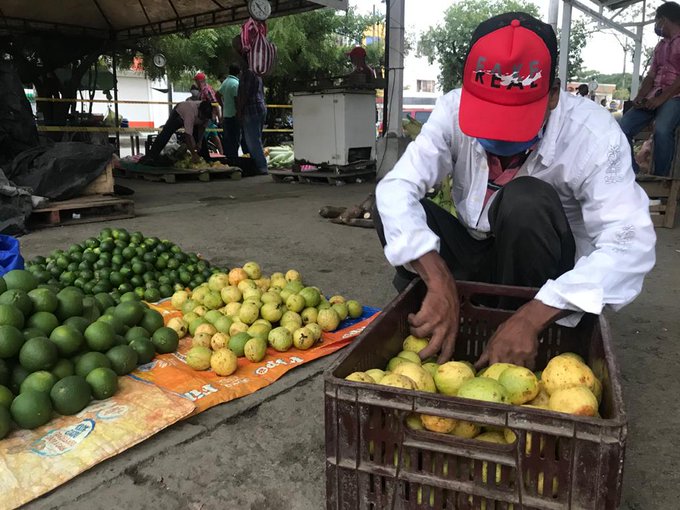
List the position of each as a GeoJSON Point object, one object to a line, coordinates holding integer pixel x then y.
{"type": "Point", "coordinates": [409, 247]}
{"type": "Point", "coordinates": [584, 297]}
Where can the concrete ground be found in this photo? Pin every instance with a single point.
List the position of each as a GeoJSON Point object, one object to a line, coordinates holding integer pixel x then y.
{"type": "Point", "coordinates": [266, 451]}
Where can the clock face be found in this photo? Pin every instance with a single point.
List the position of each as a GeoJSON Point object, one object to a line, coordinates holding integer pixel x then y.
{"type": "Point", "coordinates": [259, 9]}
{"type": "Point", "coordinates": [159, 60]}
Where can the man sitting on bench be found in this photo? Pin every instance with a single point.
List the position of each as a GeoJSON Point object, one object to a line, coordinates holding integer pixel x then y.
{"type": "Point", "coordinates": [659, 97]}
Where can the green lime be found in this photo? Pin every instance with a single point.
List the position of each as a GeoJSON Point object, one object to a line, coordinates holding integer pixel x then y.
{"type": "Point", "coordinates": [165, 340]}
{"type": "Point", "coordinates": [18, 375]}
{"type": "Point", "coordinates": [32, 333]}
{"type": "Point", "coordinates": [129, 313]}
{"type": "Point", "coordinates": [70, 395]}
{"type": "Point", "coordinates": [63, 368]}
{"type": "Point", "coordinates": [11, 341]}
{"type": "Point", "coordinates": [11, 315]}
{"type": "Point", "coordinates": [6, 397]}
{"type": "Point", "coordinates": [89, 361]}
{"type": "Point", "coordinates": [117, 325]}
{"type": "Point", "coordinates": [20, 279]}
{"type": "Point", "coordinates": [145, 350]}
{"type": "Point", "coordinates": [152, 320]}
{"type": "Point", "coordinates": [31, 409]}
{"type": "Point", "coordinates": [137, 332]}
{"type": "Point", "coordinates": [104, 300]}
{"type": "Point", "coordinates": [238, 342]}
{"type": "Point", "coordinates": [38, 354]}
{"type": "Point", "coordinates": [44, 300]}
{"type": "Point", "coordinates": [4, 372]}
{"type": "Point", "coordinates": [90, 309]}
{"type": "Point", "coordinates": [100, 336]}
{"type": "Point", "coordinates": [41, 380]}
{"type": "Point", "coordinates": [123, 359]}
{"type": "Point", "coordinates": [121, 340]}
{"type": "Point", "coordinates": [68, 339]}
{"type": "Point", "coordinates": [70, 304]}
{"type": "Point", "coordinates": [80, 323]}
{"type": "Point", "coordinates": [44, 321]}
{"type": "Point", "coordinates": [103, 383]}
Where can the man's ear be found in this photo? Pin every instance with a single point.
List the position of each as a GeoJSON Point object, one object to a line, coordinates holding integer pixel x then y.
{"type": "Point", "coordinates": [554, 98]}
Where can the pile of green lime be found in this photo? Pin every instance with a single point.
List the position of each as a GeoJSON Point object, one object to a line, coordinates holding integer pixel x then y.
{"type": "Point", "coordinates": [118, 262]}
{"type": "Point", "coordinates": [61, 348]}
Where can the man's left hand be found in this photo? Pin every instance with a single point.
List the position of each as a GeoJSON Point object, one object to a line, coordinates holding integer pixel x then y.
{"type": "Point", "coordinates": [516, 340]}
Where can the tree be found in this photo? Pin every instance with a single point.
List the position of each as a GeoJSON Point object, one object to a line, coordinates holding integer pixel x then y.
{"type": "Point", "coordinates": [448, 44]}
{"type": "Point", "coordinates": [578, 38]}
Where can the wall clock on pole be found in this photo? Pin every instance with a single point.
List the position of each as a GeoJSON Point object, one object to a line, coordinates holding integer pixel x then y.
{"type": "Point", "coordinates": [159, 60]}
{"type": "Point", "coordinates": [259, 10]}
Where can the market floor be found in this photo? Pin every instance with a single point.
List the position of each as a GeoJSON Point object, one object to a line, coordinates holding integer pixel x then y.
{"type": "Point", "coordinates": [267, 451]}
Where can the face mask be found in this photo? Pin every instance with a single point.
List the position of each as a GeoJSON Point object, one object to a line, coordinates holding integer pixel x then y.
{"type": "Point", "coordinates": [500, 148]}
{"type": "Point", "coordinates": [194, 93]}
{"type": "Point", "coordinates": [658, 30]}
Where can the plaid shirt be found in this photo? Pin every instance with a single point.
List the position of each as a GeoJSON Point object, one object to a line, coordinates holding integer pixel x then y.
{"type": "Point", "coordinates": [665, 64]}
{"type": "Point", "coordinates": [499, 176]}
{"type": "Point", "coordinates": [207, 94]}
{"type": "Point", "coordinates": [251, 89]}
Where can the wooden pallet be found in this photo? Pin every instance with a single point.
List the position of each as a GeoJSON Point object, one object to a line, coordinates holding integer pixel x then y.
{"type": "Point", "coordinates": [326, 174]}
{"type": "Point", "coordinates": [85, 209]}
{"type": "Point", "coordinates": [173, 175]}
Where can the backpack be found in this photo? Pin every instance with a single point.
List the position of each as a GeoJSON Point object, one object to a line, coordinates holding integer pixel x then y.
{"type": "Point", "coordinates": [260, 53]}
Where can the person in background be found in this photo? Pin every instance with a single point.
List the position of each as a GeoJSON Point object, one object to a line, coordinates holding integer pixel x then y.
{"type": "Point", "coordinates": [659, 96]}
{"type": "Point", "coordinates": [206, 93]}
{"type": "Point", "coordinates": [358, 58]}
{"type": "Point", "coordinates": [251, 111]}
{"type": "Point", "coordinates": [231, 128]}
{"type": "Point", "coordinates": [213, 137]}
{"type": "Point", "coordinates": [194, 117]}
{"type": "Point", "coordinates": [194, 93]}
{"type": "Point", "coordinates": [603, 103]}
{"type": "Point", "coordinates": [582, 90]}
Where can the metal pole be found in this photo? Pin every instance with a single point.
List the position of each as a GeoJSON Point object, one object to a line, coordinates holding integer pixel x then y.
{"type": "Point", "coordinates": [564, 44]}
{"type": "Point", "coordinates": [169, 85]}
{"type": "Point", "coordinates": [397, 45]}
{"type": "Point", "coordinates": [386, 88]}
{"type": "Point", "coordinates": [114, 63]}
{"type": "Point", "coordinates": [635, 82]}
{"type": "Point", "coordinates": [553, 12]}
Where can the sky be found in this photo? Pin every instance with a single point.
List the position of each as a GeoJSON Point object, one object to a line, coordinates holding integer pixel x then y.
{"type": "Point", "coordinates": [603, 53]}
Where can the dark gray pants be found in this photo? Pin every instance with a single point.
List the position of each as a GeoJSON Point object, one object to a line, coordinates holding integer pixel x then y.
{"type": "Point", "coordinates": [531, 239]}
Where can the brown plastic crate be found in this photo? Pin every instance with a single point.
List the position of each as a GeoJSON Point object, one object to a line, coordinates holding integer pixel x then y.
{"type": "Point", "coordinates": [373, 461]}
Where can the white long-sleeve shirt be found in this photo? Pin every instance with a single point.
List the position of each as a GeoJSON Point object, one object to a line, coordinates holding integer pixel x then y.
{"type": "Point", "coordinates": [583, 154]}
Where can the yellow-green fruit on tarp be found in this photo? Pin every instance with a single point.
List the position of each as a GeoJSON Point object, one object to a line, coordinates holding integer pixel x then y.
{"type": "Point", "coordinates": [309, 315]}
{"type": "Point", "coordinates": [237, 327]}
{"type": "Point", "coordinates": [205, 328]}
{"type": "Point", "coordinates": [295, 303]}
{"type": "Point", "coordinates": [259, 329]}
{"type": "Point", "coordinates": [199, 293]}
{"type": "Point", "coordinates": [219, 341]}
{"type": "Point", "coordinates": [466, 429]}
{"type": "Point", "coordinates": [252, 295]}
{"type": "Point", "coordinates": [360, 377]}
{"type": "Point", "coordinates": [354, 308]}
{"type": "Point", "coordinates": [248, 313]}
{"type": "Point", "coordinates": [271, 296]}
{"type": "Point", "coordinates": [376, 374]}
{"type": "Point", "coordinates": [194, 324]}
{"type": "Point", "coordinates": [483, 388]}
{"type": "Point", "coordinates": [413, 422]}
{"type": "Point", "coordinates": [230, 294]}
{"type": "Point", "coordinates": [180, 327]}
{"type": "Point", "coordinates": [224, 362]}
{"type": "Point", "coordinates": [491, 437]}
{"type": "Point", "coordinates": [421, 377]}
{"type": "Point", "coordinates": [253, 270]}
{"type": "Point", "coordinates": [341, 310]}
{"type": "Point", "coordinates": [237, 343]}
{"type": "Point", "coordinates": [273, 312]}
{"type": "Point", "coordinates": [293, 276]}
{"type": "Point", "coordinates": [232, 310]}
{"type": "Point", "coordinates": [578, 400]}
{"type": "Point", "coordinates": [438, 423]}
{"type": "Point", "coordinates": [255, 349]}
{"type": "Point", "coordinates": [410, 356]}
{"type": "Point", "coordinates": [398, 381]}
{"type": "Point", "coordinates": [200, 311]}
{"type": "Point", "coordinates": [414, 344]}
{"type": "Point", "coordinates": [431, 367]}
{"type": "Point", "coordinates": [201, 340]}
{"type": "Point", "coordinates": [303, 339]}
{"type": "Point", "coordinates": [218, 281]}
{"type": "Point", "coordinates": [246, 284]}
{"type": "Point", "coordinates": [521, 384]}
{"type": "Point", "coordinates": [263, 284]}
{"type": "Point", "coordinates": [280, 339]}
{"type": "Point", "coordinates": [328, 319]}
{"type": "Point", "coordinates": [542, 398]}
{"type": "Point", "coordinates": [336, 299]}
{"type": "Point", "coordinates": [564, 372]}
{"type": "Point", "coordinates": [312, 297]}
{"type": "Point", "coordinates": [315, 329]}
{"type": "Point", "coordinates": [198, 358]}
{"type": "Point", "coordinates": [212, 301]}
{"type": "Point", "coordinates": [494, 371]}
{"type": "Point", "coordinates": [223, 324]}
{"type": "Point", "coordinates": [450, 377]}
{"type": "Point", "coordinates": [291, 317]}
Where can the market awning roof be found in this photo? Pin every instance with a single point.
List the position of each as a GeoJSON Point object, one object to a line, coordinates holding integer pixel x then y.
{"type": "Point", "coordinates": [132, 19]}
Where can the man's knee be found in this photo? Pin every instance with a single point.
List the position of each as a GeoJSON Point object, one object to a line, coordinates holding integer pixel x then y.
{"type": "Point", "coordinates": [524, 202]}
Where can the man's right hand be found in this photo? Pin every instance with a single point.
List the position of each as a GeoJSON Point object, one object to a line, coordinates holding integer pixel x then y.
{"type": "Point", "coordinates": [438, 317]}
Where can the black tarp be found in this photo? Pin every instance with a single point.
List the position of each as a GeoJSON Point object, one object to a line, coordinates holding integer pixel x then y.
{"type": "Point", "coordinates": [15, 207]}
{"type": "Point", "coordinates": [60, 171]}
{"type": "Point", "coordinates": [17, 125]}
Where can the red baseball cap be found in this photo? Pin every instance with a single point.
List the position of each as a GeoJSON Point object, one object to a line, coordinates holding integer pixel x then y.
{"type": "Point", "coordinates": [357, 51]}
{"type": "Point", "coordinates": [507, 78]}
{"type": "Point", "coordinates": [199, 77]}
